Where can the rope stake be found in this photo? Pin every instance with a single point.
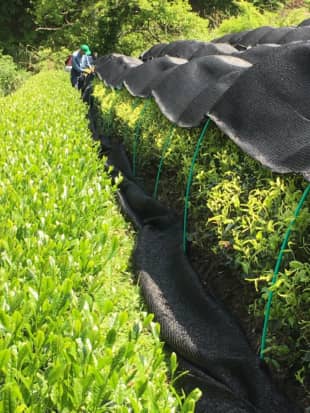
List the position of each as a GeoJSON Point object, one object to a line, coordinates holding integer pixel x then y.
{"type": "Point", "coordinates": [189, 181]}
{"type": "Point", "coordinates": [277, 268]}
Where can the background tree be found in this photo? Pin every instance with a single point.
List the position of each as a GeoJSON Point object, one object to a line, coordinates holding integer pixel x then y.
{"type": "Point", "coordinates": [217, 10]}
{"type": "Point", "coordinates": [16, 24]}
{"type": "Point", "coordinates": [132, 26]}
{"type": "Point", "coordinates": [126, 26]}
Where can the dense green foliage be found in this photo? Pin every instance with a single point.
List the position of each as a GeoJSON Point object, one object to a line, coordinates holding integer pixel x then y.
{"type": "Point", "coordinates": [16, 24]}
{"type": "Point", "coordinates": [126, 26]}
{"type": "Point", "coordinates": [250, 17]}
{"type": "Point", "coordinates": [133, 26]}
{"type": "Point", "coordinates": [217, 10]}
{"type": "Point", "coordinates": [113, 25]}
{"type": "Point", "coordinates": [238, 209]}
{"type": "Point", "coordinates": [10, 76]}
{"type": "Point", "coordinates": [73, 337]}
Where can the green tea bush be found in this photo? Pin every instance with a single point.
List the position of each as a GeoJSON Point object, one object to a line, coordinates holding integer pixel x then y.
{"type": "Point", "coordinates": [73, 337]}
{"type": "Point", "coordinates": [10, 76]}
{"type": "Point", "coordinates": [224, 7]}
{"type": "Point", "coordinates": [248, 17]}
{"type": "Point", "coordinates": [47, 58]}
{"type": "Point", "coordinates": [238, 210]}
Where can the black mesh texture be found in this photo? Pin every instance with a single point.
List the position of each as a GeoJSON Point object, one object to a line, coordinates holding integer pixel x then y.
{"type": "Point", "coordinates": [267, 110]}
{"type": "Point", "coordinates": [195, 324]}
{"type": "Point", "coordinates": [187, 49]}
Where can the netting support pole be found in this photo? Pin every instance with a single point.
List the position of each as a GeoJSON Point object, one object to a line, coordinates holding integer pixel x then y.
{"type": "Point", "coordinates": [189, 181]}
{"type": "Point", "coordinates": [277, 268]}
{"type": "Point", "coordinates": [165, 147]}
{"type": "Point", "coordinates": [136, 136]}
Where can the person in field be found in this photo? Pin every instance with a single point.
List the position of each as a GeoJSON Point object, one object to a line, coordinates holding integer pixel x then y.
{"type": "Point", "coordinates": [78, 64]}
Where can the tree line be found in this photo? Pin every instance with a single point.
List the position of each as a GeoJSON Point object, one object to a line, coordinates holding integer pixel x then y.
{"type": "Point", "coordinates": [108, 25]}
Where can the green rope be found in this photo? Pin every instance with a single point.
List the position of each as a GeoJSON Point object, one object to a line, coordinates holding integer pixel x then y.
{"type": "Point", "coordinates": [165, 147]}
{"type": "Point", "coordinates": [277, 268]}
{"type": "Point", "coordinates": [136, 136]}
{"type": "Point", "coordinates": [189, 181]}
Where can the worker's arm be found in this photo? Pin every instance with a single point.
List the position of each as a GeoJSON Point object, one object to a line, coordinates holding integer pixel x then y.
{"type": "Point", "coordinates": [76, 64]}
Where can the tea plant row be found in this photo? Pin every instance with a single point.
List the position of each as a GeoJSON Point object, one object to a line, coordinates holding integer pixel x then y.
{"type": "Point", "coordinates": [73, 333]}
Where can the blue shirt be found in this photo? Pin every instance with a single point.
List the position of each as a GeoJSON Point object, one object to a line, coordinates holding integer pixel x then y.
{"type": "Point", "coordinates": [76, 61]}
{"type": "Point", "coordinates": [86, 61]}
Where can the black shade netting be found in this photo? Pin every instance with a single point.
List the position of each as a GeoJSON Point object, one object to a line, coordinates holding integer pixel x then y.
{"type": "Point", "coordinates": [259, 97]}
{"type": "Point", "coordinates": [195, 324]}
{"type": "Point", "coordinates": [267, 110]}
{"type": "Point", "coordinates": [154, 51]}
{"type": "Point", "coordinates": [185, 95]}
{"type": "Point", "coordinates": [267, 35]}
{"type": "Point", "coordinates": [305, 22]}
{"type": "Point", "coordinates": [187, 49]}
{"type": "Point", "coordinates": [113, 68]}
{"type": "Point", "coordinates": [141, 80]}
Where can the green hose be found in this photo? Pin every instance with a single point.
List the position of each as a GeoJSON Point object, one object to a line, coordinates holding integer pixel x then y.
{"type": "Point", "coordinates": [189, 181]}
{"type": "Point", "coordinates": [277, 268]}
{"type": "Point", "coordinates": [165, 147]}
{"type": "Point", "coordinates": [136, 136]}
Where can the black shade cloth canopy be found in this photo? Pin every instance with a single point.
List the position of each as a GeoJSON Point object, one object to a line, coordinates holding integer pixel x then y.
{"type": "Point", "coordinates": [187, 49]}
{"type": "Point", "coordinates": [141, 80]}
{"type": "Point", "coordinates": [305, 22]}
{"type": "Point", "coordinates": [259, 97]}
{"type": "Point", "coordinates": [190, 91]}
{"type": "Point", "coordinates": [266, 35]}
{"type": "Point", "coordinates": [267, 110]}
{"type": "Point", "coordinates": [112, 68]}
